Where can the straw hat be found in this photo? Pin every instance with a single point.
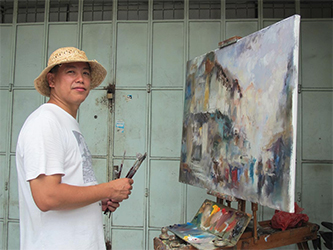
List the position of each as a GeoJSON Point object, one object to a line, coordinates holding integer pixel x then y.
{"type": "Point", "coordinates": [69, 55]}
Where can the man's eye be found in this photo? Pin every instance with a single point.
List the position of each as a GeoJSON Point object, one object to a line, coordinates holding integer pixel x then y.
{"type": "Point", "coordinates": [87, 73]}
{"type": "Point", "coordinates": [70, 71]}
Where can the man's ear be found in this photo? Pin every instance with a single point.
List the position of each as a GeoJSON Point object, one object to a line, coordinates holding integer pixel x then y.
{"type": "Point", "coordinates": [50, 79]}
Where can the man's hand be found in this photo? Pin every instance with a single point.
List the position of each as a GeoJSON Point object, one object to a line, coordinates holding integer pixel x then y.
{"type": "Point", "coordinates": [110, 205]}
{"type": "Point", "coordinates": [120, 189]}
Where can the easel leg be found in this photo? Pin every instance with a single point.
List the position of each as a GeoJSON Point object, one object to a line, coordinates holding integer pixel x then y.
{"type": "Point", "coordinates": [219, 200]}
{"type": "Point", "coordinates": [241, 205]}
{"type": "Point", "coordinates": [255, 231]}
{"type": "Point", "coordinates": [303, 245]}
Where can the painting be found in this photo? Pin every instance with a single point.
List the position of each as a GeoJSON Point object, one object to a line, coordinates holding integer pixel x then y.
{"type": "Point", "coordinates": [240, 113]}
{"type": "Point", "coordinates": [211, 221]}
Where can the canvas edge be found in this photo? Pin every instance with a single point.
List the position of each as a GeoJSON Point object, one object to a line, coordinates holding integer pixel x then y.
{"type": "Point", "coordinates": [295, 114]}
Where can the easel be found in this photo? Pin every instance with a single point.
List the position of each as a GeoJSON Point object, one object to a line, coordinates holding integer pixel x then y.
{"type": "Point", "coordinates": [250, 239]}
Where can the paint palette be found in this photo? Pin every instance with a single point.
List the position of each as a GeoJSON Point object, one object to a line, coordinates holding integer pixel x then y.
{"type": "Point", "coordinates": [213, 220]}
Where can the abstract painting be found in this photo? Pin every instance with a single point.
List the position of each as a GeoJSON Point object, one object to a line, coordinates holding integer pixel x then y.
{"type": "Point", "coordinates": [213, 220]}
{"type": "Point", "coordinates": [240, 112]}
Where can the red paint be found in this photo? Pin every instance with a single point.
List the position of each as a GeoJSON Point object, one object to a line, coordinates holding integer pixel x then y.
{"type": "Point", "coordinates": [231, 225]}
{"type": "Point", "coordinates": [234, 175]}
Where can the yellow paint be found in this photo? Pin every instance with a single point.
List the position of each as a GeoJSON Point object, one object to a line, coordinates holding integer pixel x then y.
{"type": "Point", "coordinates": [215, 210]}
{"type": "Point", "coordinates": [187, 237]}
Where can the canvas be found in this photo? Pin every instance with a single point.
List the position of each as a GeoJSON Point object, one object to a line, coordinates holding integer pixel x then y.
{"type": "Point", "coordinates": [240, 112]}
{"type": "Point", "coordinates": [211, 221]}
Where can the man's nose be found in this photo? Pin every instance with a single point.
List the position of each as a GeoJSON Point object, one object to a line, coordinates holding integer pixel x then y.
{"type": "Point", "coordinates": [80, 77]}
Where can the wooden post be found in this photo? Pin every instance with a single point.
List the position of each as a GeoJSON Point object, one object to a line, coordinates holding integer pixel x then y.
{"type": "Point", "coordinates": [241, 205]}
{"type": "Point", "coordinates": [219, 200]}
{"type": "Point", "coordinates": [254, 211]}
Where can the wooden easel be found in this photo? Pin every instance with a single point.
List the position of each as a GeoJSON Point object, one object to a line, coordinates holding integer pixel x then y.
{"type": "Point", "coordinates": [250, 238]}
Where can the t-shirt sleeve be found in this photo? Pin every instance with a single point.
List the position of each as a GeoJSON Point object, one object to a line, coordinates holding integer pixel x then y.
{"type": "Point", "coordinates": [43, 148]}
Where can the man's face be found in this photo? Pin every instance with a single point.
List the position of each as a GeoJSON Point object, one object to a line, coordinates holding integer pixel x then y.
{"type": "Point", "coordinates": [71, 84]}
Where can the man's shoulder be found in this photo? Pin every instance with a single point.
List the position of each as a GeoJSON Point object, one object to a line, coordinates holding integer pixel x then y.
{"type": "Point", "coordinates": [47, 111]}
{"type": "Point", "coordinates": [45, 115]}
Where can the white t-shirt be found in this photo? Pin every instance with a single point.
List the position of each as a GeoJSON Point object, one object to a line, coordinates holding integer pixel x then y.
{"type": "Point", "coordinates": [50, 142]}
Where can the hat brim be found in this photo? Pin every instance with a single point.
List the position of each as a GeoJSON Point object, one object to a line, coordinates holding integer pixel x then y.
{"type": "Point", "coordinates": [98, 74]}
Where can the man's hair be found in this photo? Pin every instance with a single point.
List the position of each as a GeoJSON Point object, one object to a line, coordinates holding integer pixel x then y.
{"type": "Point", "coordinates": [55, 69]}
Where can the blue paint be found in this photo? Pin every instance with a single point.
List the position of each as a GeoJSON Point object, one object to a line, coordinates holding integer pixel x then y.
{"type": "Point", "coordinates": [253, 161]}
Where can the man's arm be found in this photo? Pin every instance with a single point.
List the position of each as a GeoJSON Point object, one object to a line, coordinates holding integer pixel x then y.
{"type": "Point", "coordinates": [50, 194]}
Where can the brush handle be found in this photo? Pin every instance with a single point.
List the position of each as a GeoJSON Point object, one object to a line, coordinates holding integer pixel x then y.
{"type": "Point", "coordinates": [130, 174]}
{"type": "Point", "coordinates": [135, 167]}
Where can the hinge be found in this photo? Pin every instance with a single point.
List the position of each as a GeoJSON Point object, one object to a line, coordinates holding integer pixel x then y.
{"type": "Point", "coordinates": [148, 88]}
{"type": "Point", "coordinates": [6, 186]}
{"type": "Point", "coordinates": [299, 88]}
{"type": "Point", "coordinates": [10, 87]}
{"type": "Point", "coordinates": [147, 192]}
{"type": "Point", "coordinates": [299, 196]}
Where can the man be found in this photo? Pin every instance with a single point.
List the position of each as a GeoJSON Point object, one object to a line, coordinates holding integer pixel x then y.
{"type": "Point", "coordinates": [60, 200]}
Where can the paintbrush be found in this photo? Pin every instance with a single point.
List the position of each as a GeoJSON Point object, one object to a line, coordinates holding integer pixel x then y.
{"type": "Point", "coordinates": [136, 166]}
{"type": "Point", "coordinates": [121, 165]}
{"type": "Point", "coordinates": [118, 174]}
{"type": "Point", "coordinates": [130, 173]}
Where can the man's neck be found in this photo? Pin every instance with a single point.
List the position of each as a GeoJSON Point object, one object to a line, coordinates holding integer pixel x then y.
{"type": "Point", "coordinates": [70, 110]}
